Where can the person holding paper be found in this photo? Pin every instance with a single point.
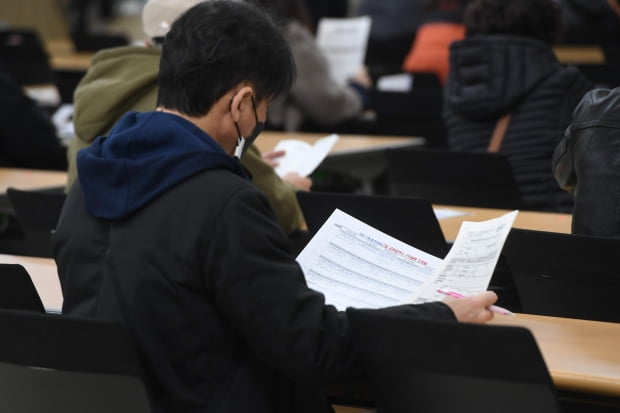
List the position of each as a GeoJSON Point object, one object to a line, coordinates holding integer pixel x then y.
{"type": "Point", "coordinates": [316, 98]}
{"type": "Point", "coordinates": [194, 266]}
{"type": "Point", "coordinates": [125, 78]}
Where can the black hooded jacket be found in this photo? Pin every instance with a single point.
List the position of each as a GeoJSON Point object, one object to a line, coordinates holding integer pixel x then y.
{"type": "Point", "coordinates": [494, 75]}
{"type": "Point", "coordinates": [165, 234]}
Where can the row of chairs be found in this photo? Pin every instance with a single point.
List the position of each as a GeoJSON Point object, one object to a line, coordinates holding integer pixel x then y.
{"type": "Point", "coordinates": [52, 364]}
{"type": "Point", "coordinates": [77, 365]}
{"type": "Point", "coordinates": [562, 275]}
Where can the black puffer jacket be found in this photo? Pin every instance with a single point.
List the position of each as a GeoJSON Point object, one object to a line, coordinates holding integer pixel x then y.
{"type": "Point", "coordinates": [494, 75]}
{"type": "Point", "coordinates": [587, 163]}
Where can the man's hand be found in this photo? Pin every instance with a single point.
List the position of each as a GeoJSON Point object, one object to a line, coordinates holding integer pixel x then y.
{"type": "Point", "coordinates": [473, 309]}
{"type": "Point", "coordinates": [302, 182]}
{"type": "Point", "coordinates": [271, 157]}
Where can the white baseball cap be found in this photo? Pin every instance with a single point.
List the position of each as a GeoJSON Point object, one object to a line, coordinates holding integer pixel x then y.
{"type": "Point", "coordinates": [158, 15]}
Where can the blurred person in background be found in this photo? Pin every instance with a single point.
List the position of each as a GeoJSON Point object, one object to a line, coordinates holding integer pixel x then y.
{"type": "Point", "coordinates": [505, 71]}
{"type": "Point", "coordinates": [316, 99]}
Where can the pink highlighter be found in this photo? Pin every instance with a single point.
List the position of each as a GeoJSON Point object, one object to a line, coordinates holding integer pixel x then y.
{"type": "Point", "coordinates": [493, 308]}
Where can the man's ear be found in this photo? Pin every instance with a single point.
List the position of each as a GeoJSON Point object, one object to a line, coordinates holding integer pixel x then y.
{"type": "Point", "coordinates": [239, 99]}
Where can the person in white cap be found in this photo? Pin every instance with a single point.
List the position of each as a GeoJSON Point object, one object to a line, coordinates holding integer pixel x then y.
{"type": "Point", "coordinates": [125, 78]}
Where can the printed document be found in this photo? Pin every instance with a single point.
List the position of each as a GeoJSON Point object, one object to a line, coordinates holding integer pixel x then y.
{"type": "Point", "coordinates": [301, 157]}
{"type": "Point", "coordinates": [344, 42]}
{"type": "Point", "coordinates": [356, 265]}
{"type": "Point", "coordinates": [469, 265]}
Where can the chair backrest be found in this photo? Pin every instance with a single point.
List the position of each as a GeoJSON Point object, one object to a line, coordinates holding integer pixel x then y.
{"type": "Point", "coordinates": [37, 213]}
{"type": "Point", "coordinates": [51, 363]}
{"type": "Point", "coordinates": [437, 367]}
{"type": "Point", "coordinates": [23, 56]}
{"type": "Point", "coordinates": [565, 275]}
{"type": "Point", "coordinates": [453, 178]}
{"type": "Point", "coordinates": [17, 290]}
{"type": "Point", "coordinates": [413, 113]}
{"type": "Point", "coordinates": [410, 220]}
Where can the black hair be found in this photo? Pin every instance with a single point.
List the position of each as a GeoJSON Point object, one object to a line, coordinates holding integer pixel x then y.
{"type": "Point", "coordinates": [538, 19]}
{"type": "Point", "coordinates": [217, 45]}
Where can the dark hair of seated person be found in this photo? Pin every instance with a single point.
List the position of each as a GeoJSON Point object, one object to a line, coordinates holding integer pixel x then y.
{"type": "Point", "coordinates": [193, 77]}
{"type": "Point", "coordinates": [538, 19]}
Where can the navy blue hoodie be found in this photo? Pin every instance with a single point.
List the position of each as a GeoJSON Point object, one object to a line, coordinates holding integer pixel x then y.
{"type": "Point", "coordinates": [144, 155]}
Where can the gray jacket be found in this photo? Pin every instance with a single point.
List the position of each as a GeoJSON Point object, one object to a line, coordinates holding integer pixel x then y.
{"type": "Point", "coordinates": [315, 95]}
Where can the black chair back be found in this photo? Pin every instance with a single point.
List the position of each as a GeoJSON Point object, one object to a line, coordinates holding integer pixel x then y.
{"type": "Point", "coordinates": [410, 220]}
{"type": "Point", "coordinates": [53, 364]}
{"type": "Point", "coordinates": [565, 275]}
{"type": "Point", "coordinates": [23, 56]}
{"type": "Point", "coordinates": [436, 367]}
{"type": "Point", "coordinates": [17, 290]}
{"type": "Point", "coordinates": [413, 113]}
{"type": "Point", "coordinates": [453, 178]}
{"type": "Point", "coordinates": [37, 213]}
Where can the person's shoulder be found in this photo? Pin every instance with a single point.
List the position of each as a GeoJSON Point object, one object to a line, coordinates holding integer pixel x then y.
{"type": "Point", "coordinates": [123, 52]}
{"type": "Point", "coordinates": [218, 184]}
{"type": "Point", "coordinates": [296, 32]}
{"type": "Point", "coordinates": [598, 106]}
{"type": "Point", "coordinates": [570, 79]}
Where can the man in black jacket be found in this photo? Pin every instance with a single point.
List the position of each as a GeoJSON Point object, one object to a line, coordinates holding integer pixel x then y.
{"type": "Point", "coordinates": [165, 234]}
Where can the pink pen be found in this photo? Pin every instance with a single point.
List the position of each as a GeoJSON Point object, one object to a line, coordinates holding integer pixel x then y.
{"type": "Point", "coordinates": [493, 308]}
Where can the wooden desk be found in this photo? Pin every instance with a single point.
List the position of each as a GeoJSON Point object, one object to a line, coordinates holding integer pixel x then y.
{"type": "Point", "coordinates": [359, 156]}
{"type": "Point", "coordinates": [541, 221]}
{"type": "Point", "coordinates": [63, 56]}
{"type": "Point", "coordinates": [44, 276]}
{"type": "Point", "coordinates": [582, 356]}
{"type": "Point", "coordinates": [580, 54]}
{"type": "Point", "coordinates": [30, 179]}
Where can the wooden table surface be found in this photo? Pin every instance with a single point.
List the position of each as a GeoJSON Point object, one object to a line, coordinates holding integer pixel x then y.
{"type": "Point", "coordinates": [347, 144]}
{"type": "Point", "coordinates": [541, 221]}
{"type": "Point", "coordinates": [580, 54]}
{"type": "Point", "coordinates": [63, 56]}
{"type": "Point", "coordinates": [44, 276]}
{"type": "Point", "coordinates": [30, 178]}
{"type": "Point", "coordinates": [581, 355]}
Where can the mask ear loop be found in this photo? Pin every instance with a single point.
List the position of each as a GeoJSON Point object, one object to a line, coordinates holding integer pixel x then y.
{"type": "Point", "coordinates": [254, 108]}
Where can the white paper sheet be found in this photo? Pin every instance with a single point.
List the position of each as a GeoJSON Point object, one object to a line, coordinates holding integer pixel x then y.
{"type": "Point", "coordinates": [301, 157]}
{"type": "Point", "coordinates": [355, 265]}
{"type": "Point", "coordinates": [444, 213]}
{"type": "Point", "coordinates": [400, 82]}
{"type": "Point", "coordinates": [344, 42]}
{"type": "Point", "coordinates": [468, 267]}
